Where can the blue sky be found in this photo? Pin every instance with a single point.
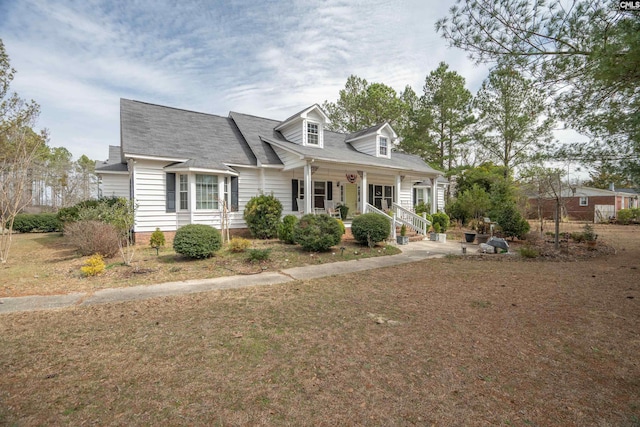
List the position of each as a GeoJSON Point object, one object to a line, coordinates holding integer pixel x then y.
{"type": "Point", "coordinates": [270, 58]}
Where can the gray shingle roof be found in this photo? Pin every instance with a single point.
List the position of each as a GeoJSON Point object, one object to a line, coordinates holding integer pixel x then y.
{"type": "Point", "coordinates": [158, 131]}
{"type": "Point", "coordinates": [372, 129]}
{"type": "Point", "coordinates": [113, 163]}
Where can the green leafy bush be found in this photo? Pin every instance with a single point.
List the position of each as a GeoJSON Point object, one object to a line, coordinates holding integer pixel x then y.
{"type": "Point", "coordinates": [370, 228]}
{"type": "Point", "coordinates": [625, 216]}
{"type": "Point", "coordinates": [41, 223]}
{"type": "Point", "coordinates": [262, 215]}
{"type": "Point", "coordinates": [197, 241]}
{"type": "Point", "coordinates": [286, 228]}
{"type": "Point", "coordinates": [442, 219]}
{"type": "Point", "coordinates": [93, 237]}
{"type": "Point", "coordinates": [256, 255]}
{"type": "Point", "coordinates": [421, 208]}
{"type": "Point", "coordinates": [511, 222]}
{"type": "Point", "coordinates": [72, 213]}
{"type": "Point", "coordinates": [239, 244]}
{"type": "Point", "coordinates": [317, 233]}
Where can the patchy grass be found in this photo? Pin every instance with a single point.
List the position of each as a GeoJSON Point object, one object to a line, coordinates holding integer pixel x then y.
{"type": "Point", "coordinates": [439, 342]}
{"type": "Point", "coordinates": [43, 264]}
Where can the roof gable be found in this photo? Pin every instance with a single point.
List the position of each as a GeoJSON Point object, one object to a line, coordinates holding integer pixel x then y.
{"type": "Point", "coordinates": [304, 114]}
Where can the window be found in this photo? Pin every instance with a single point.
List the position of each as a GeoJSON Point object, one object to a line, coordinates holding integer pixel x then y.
{"type": "Point", "coordinates": [383, 146]}
{"type": "Point", "coordinates": [584, 201]}
{"type": "Point", "coordinates": [171, 192]}
{"type": "Point", "coordinates": [312, 134]}
{"type": "Point", "coordinates": [319, 194]}
{"type": "Point", "coordinates": [184, 192]}
{"type": "Point", "coordinates": [206, 192]}
{"type": "Point", "coordinates": [378, 193]}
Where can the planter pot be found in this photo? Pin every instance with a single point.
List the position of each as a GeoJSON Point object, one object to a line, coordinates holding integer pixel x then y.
{"type": "Point", "coordinates": [402, 240]}
{"type": "Point", "coordinates": [433, 237]}
{"type": "Point", "coordinates": [441, 237]}
{"type": "Point", "coordinates": [469, 237]}
{"type": "Point", "coordinates": [482, 238]}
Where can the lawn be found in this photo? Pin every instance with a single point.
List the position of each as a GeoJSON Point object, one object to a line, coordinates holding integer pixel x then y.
{"type": "Point", "coordinates": [450, 341]}
{"type": "Point", "coordinates": [44, 264]}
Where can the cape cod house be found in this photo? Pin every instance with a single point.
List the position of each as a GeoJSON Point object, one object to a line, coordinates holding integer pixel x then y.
{"type": "Point", "coordinates": [182, 167]}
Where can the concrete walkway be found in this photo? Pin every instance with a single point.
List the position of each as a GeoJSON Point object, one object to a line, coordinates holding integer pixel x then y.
{"type": "Point", "coordinates": [414, 251]}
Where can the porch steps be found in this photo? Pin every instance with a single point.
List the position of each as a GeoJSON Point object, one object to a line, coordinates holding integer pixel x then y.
{"type": "Point", "coordinates": [413, 235]}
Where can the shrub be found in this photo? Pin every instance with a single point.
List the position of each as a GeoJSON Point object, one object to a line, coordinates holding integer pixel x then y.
{"type": "Point", "coordinates": [344, 211]}
{"type": "Point", "coordinates": [197, 241]}
{"type": "Point", "coordinates": [262, 215]}
{"type": "Point", "coordinates": [624, 216]}
{"type": "Point", "coordinates": [157, 239]}
{"type": "Point", "coordinates": [256, 255]}
{"type": "Point", "coordinates": [73, 213]}
{"type": "Point", "coordinates": [286, 228]}
{"type": "Point", "coordinates": [528, 252]}
{"type": "Point", "coordinates": [93, 266]}
{"type": "Point", "coordinates": [370, 228]}
{"type": "Point", "coordinates": [317, 232]}
{"type": "Point", "coordinates": [511, 222]}
{"type": "Point", "coordinates": [420, 208]}
{"type": "Point", "coordinates": [239, 244]}
{"type": "Point", "coordinates": [437, 228]}
{"type": "Point", "coordinates": [342, 227]}
{"type": "Point", "coordinates": [41, 223]}
{"type": "Point", "coordinates": [93, 237]}
{"type": "Point", "coordinates": [442, 219]}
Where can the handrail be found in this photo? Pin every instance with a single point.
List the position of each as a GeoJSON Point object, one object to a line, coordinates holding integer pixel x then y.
{"type": "Point", "coordinates": [369, 208]}
{"type": "Point", "coordinates": [416, 222]}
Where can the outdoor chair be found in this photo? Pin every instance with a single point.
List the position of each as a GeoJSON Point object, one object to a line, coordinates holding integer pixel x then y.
{"type": "Point", "coordinates": [332, 209]}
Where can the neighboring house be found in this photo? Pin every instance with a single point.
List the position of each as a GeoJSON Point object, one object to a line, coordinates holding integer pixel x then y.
{"type": "Point", "coordinates": [589, 204]}
{"type": "Point", "coordinates": [179, 166]}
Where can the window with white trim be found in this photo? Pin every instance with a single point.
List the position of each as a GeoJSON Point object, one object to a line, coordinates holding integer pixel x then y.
{"type": "Point", "coordinates": [384, 146]}
{"type": "Point", "coordinates": [184, 192]}
{"type": "Point", "coordinates": [584, 201]}
{"type": "Point", "coordinates": [312, 134]}
{"type": "Point", "coordinates": [206, 192]}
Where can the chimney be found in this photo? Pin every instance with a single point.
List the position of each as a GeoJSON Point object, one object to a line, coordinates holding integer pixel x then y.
{"type": "Point", "coordinates": [612, 187]}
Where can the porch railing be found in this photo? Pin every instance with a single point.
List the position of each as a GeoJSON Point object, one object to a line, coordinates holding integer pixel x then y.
{"type": "Point", "coordinates": [418, 223]}
{"type": "Point", "coordinates": [368, 208]}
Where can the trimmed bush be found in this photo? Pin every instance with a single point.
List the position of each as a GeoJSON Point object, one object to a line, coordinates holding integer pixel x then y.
{"type": "Point", "coordinates": [370, 228]}
{"type": "Point", "coordinates": [624, 216]}
{"type": "Point", "coordinates": [40, 223]}
{"type": "Point", "coordinates": [93, 237]}
{"type": "Point", "coordinates": [317, 233]}
{"type": "Point", "coordinates": [262, 215]}
{"type": "Point", "coordinates": [157, 239]}
{"type": "Point", "coordinates": [256, 255]}
{"type": "Point", "coordinates": [442, 219]}
{"type": "Point", "coordinates": [197, 241]}
{"type": "Point", "coordinates": [286, 228]}
{"type": "Point", "coordinates": [239, 244]}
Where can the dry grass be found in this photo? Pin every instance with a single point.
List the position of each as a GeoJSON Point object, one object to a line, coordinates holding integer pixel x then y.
{"type": "Point", "coordinates": [451, 341]}
{"type": "Point", "coordinates": [44, 264]}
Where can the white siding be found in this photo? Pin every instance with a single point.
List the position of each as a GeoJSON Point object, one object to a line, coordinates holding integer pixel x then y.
{"type": "Point", "coordinates": [289, 159]}
{"type": "Point", "coordinates": [366, 145]}
{"type": "Point", "coordinates": [293, 132]}
{"type": "Point", "coordinates": [440, 205]}
{"type": "Point", "coordinates": [315, 116]}
{"type": "Point", "coordinates": [150, 197]}
{"type": "Point", "coordinates": [115, 185]}
{"type": "Point", "coordinates": [405, 198]}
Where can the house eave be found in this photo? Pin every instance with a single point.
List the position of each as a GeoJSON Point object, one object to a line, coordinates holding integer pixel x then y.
{"type": "Point", "coordinates": [158, 158]}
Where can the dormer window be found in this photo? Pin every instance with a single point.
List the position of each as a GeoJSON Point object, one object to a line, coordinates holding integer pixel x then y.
{"type": "Point", "coordinates": [384, 146]}
{"type": "Point", "coordinates": [312, 134]}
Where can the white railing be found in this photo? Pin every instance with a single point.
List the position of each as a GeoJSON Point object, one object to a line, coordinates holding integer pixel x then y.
{"type": "Point", "coordinates": [368, 208]}
{"type": "Point", "coordinates": [413, 221]}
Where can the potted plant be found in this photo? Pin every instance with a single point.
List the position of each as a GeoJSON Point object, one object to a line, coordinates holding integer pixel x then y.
{"type": "Point", "coordinates": [469, 236]}
{"type": "Point", "coordinates": [344, 210]}
{"type": "Point", "coordinates": [403, 239]}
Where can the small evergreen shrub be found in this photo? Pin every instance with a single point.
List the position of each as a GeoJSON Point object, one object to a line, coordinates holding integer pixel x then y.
{"type": "Point", "coordinates": [73, 213]}
{"type": "Point", "coordinates": [317, 233]}
{"type": "Point", "coordinates": [528, 252]}
{"type": "Point", "coordinates": [625, 216]}
{"type": "Point", "coordinates": [197, 241]}
{"type": "Point", "coordinates": [511, 222]}
{"type": "Point", "coordinates": [93, 237]}
{"type": "Point", "coordinates": [436, 227]}
{"type": "Point", "coordinates": [342, 227]}
{"type": "Point", "coordinates": [239, 244]}
{"type": "Point", "coordinates": [93, 266]}
{"type": "Point", "coordinates": [40, 223]}
{"type": "Point", "coordinates": [420, 208]}
{"type": "Point", "coordinates": [286, 228]}
{"type": "Point", "coordinates": [257, 255]}
{"type": "Point", "coordinates": [157, 239]}
{"type": "Point", "coordinates": [370, 228]}
{"type": "Point", "coordinates": [442, 219]}
{"type": "Point", "coordinates": [262, 215]}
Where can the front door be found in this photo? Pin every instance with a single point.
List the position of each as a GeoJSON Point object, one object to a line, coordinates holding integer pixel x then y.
{"type": "Point", "coordinates": [351, 198]}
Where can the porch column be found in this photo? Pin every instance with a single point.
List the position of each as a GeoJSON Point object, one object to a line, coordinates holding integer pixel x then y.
{"type": "Point", "coordinates": [434, 195]}
{"type": "Point", "coordinates": [398, 189]}
{"type": "Point", "coordinates": [364, 191]}
{"type": "Point", "coordinates": [308, 195]}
